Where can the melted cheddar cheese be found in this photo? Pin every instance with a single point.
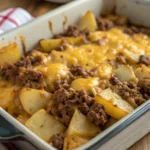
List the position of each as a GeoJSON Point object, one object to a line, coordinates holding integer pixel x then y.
{"type": "Point", "coordinates": [114, 42]}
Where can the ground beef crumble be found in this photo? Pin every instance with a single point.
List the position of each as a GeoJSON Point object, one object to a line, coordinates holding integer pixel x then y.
{"type": "Point", "coordinates": [144, 85]}
{"type": "Point", "coordinates": [72, 31]}
{"type": "Point", "coordinates": [128, 91]}
{"type": "Point", "coordinates": [65, 102]}
{"type": "Point", "coordinates": [24, 62]}
{"type": "Point", "coordinates": [78, 71]}
{"type": "Point", "coordinates": [21, 72]}
{"type": "Point", "coordinates": [29, 60]}
{"type": "Point", "coordinates": [61, 84]}
{"type": "Point", "coordinates": [58, 141]}
{"type": "Point", "coordinates": [105, 23]}
{"type": "Point", "coordinates": [136, 29]}
{"type": "Point", "coordinates": [144, 60]}
{"type": "Point", "coordinates": [23, 77]}
{"type": "Point", "coordinates": [97, 114]}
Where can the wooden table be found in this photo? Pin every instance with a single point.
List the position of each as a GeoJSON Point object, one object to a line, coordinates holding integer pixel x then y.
{"type": "Point", "coordinates": [37, 8]}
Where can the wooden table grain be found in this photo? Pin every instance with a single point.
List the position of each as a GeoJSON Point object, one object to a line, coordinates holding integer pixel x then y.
{"type": "Point", "coordinates": [39, 7]}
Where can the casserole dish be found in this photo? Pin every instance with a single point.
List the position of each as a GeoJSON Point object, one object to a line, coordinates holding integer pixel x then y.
{"type": "Point", "coordinates": [22, 36]}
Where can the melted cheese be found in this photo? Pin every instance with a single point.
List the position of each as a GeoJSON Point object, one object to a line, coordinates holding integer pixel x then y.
{"type": "Point", "coordinates": [87, 56]}
{"type": "Point", "coordinates": [92, 55]}
{"type": "Point", "coordinates": [89, 84]}
{"type": "Point", "coordinates": [54, 72]}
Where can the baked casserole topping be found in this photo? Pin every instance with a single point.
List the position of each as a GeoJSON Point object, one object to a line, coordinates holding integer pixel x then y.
{"type": "Point", "coordinates": [80, 82]}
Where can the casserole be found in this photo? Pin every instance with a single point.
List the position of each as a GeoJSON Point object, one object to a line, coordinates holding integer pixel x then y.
{"type": "Point", "coordinates": [30, 42]}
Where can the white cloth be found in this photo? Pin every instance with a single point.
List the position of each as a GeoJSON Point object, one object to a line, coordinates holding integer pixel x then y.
{"type": "Point", "coordinates": [12, 18]}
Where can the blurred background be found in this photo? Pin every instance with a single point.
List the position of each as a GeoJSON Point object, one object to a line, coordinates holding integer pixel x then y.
{"type": "Point", "coordinates": [34, 7]}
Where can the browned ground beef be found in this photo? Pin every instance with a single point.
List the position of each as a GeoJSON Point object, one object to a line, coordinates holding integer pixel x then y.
{"type": "Point", "coordinates": [36, 60]}
{"type": "Point", "coordinates": [65, 102]}
{"type": "Point", "coordinates": [131, 30]}
{"type": "Point", "coordinates": [97, 114]}
{"type": "Point", "coordinates": [128, 90]}
{"type": "Point", "coordinates": [24, 62]}
{"type": "Point", "coordinates": [29, 60]}
{"type": "Point", "coordinates": [144, 60]}
{"type": "Point", "coordinates": [72, 31]}
{"type": "Point", "coordinates": [144, 85]}
{"type": "Point", "coordinates": [135, 29]}
{"type": "Point", "coordinates": [84, 108]}
{"type": "Point", "coordinates": [22, 76]}
{"type": "Point", "coordinates": [78, 71]}
{"type": "Point", "coordinates": [61, 84]}
{"type": "Point", "coordinates": [104, 24]}
{"type": "Point", "coordinates": [58, 141]}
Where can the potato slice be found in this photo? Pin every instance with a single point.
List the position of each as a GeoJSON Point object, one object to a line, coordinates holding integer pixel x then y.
{"type": "Point", "coordinates": [114, 105]}
{"type": "Point", "coordinates": [80, 126]}
{"type": "Point", "coordinates": [9, 54]}
{"type": "Point", "coordinates": [44, 125]}
{"type": "Point", "coordinates": [88, 22]}
{"type": "Point", "coordinates": [33, 100]}
{"type": "Point", "coordinates": [50, 44]}
{"type": "Point", "coordinates": [73, 141]}
{"type": "Point", "coordinates": [7, 93]}
{"type": "Point", "coordinates": [142, 72]}
{"type": "Point", "coordinates": [125, 73]}
{"type": "Point", "coordinates": [89, 84]}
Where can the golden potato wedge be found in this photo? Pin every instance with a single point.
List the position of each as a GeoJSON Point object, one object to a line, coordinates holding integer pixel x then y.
{"type": "Point", "coordinates": [142, 72]}
{"type": "Point", "coordinates": [50, 44]}
{"type": "Point", "coordinates": [9, 54]}
{"type": "Point", "coordinates": [33, 100]}
{"type": "Point", "coordinates": [125, 73]}
{"type": "Point", "coordinates": [89, 84]}
{"type": "Point", "coordinates": [7, 93]}
{"type": "Point", "coordinates": [6, 97]}
{"type": "Point", "coordinates": [72, 142]}
{"type": "Point", "coordinates": [44, 125]}
{"type": "Point", "coordinates": [88, 22]}
{"type": "Point", "coordinates": [80, 126]}
{"type": "Point", "coordinates": [114, 105]}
